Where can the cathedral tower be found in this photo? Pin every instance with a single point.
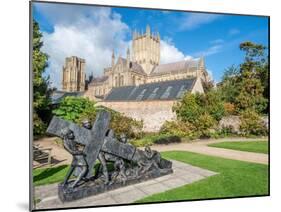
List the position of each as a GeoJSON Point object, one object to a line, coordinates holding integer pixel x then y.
{"type": "Point", "coordinates": [73, 78]}
{"type": "Point", "coordinates": [146, 49]}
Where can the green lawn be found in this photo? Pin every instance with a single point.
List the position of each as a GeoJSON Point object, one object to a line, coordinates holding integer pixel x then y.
{"type": "Point", "coordinates": [43, 176]}
{"type": "Point", "coordinates": [235, 178]}
{"type": "Point", "coordinates": [248, 146]}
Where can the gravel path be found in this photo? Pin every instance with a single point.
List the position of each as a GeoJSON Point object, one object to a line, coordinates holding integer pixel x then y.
{"type": "Point", "coordinates": [197, 146]}
{"type": "Point", "coordinates": [183, 174]}
{"type": "Point", "coordinates": [202, 148]}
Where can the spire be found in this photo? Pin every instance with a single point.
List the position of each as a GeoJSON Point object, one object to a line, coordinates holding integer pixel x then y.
{"type": "Point", "coordinates": [158, 36]}
{"type": "Point", "coordinates": [134, 34]}
{"type": "Point", "coordinates": [201, 62]}
{"type": "Point", "coordinates": [147, 30]}
{"type": "Point", "coordinates": [128, 57]}
{"type": "Point", "coordinates": [128, 51]}
{"type": "Point", "coordinates": [112, 58]}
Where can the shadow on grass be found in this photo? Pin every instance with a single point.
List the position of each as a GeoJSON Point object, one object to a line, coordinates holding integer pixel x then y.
{"type": "Point", "coordinates": [48, 172]}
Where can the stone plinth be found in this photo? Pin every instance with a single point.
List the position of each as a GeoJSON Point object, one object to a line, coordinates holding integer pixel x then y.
{"type": "Point", "coordinates": [97, 186]}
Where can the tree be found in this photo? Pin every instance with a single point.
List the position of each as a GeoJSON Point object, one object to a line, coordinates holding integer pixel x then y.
{"type": "Point", "coordinates": [198, 112]}
{"type": "Point", "coordinates": [229, 87]}
{"type": "Point", "coordinates": [253, 78]}
{"type": "Point", "coordinates": [188, 109]}
{"type": "Point", "coordinates": [246, 86]}
{"type": "Point", "coordinates": [75, 108]}
{"type": "Point", "coordinates": [41, 95]}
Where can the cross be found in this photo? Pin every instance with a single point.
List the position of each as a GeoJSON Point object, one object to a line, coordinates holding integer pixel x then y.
{"type": "Point", "coordinates": [95, 140]}
{"type": "Point", "coordinates": [92, 139]}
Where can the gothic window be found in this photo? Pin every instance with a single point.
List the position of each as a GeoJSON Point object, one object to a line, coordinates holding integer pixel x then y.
{"type": "Point", "coordinates": [116, 81]}
{"type": "Point", "coordinates": [121, 80]}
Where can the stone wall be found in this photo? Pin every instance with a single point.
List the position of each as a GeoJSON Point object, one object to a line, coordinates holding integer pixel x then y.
{"type": "Point", "coordinates": [234, 123]}
{"type": "Point", "coordinates": [153, 113]}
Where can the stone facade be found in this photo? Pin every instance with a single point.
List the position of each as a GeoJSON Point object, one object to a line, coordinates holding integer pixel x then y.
{"type": "Point", "coordinates": [73, 74]}
{"type": "Point", "coordinates": [153, 113]}
{"type": "Point", "coordinates": [142, 67]}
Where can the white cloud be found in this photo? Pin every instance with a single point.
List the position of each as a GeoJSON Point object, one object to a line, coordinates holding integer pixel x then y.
{"type": "Point", "coordinates": [209, 51]}
{"type": "Point", "coordinates": [194, 20]}
{"type": "Point", "coordinates": [169, 53]}
{"type": "Point", "coordinates": [91, 35]}
{"type": "Point", "coordinates": [217, 41]}
{"type": "Point", "coordinates": [233, 31]}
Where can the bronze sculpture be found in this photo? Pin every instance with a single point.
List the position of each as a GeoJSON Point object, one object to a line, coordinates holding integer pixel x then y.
{"type": "Point", "coordinates": [130, 164]}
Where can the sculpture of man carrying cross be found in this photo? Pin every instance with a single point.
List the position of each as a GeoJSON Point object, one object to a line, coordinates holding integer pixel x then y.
{"type": "Point", "coordinates": [78, 157]}
{"type": "Point", "coordinates": [86, 124]}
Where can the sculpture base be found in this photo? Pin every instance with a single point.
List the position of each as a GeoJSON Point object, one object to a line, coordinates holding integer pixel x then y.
{"type": "Point", "coordinates": [97, 186]}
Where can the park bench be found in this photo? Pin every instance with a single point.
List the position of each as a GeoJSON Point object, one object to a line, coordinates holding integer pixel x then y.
{"type": "Point", "coordinates": [42, 155]}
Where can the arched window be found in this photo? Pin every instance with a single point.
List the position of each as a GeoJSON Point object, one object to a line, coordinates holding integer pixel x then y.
{"type": "Point", "coordinates": [121, 80]}
{"type": "Point", "coordinates": [116, 81]}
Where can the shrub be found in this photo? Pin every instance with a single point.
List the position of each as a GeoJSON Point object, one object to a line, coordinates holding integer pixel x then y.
{"type": "Point", "coordinates": [72, 108]}
{"type": "Point", "coordinates": [39, 127]}
{"type": "Point", "coordinates": [229, 108]}
{"type": "Point", "coordinates": [149, 140]}
{"type": "Point", "coordinates": [123, 124]}
{"type": "Point", "coordinates": [252, 124]}
{"type": "Point", "coordinates": [77, 109]}
{"type": "Point", "coordinates": [204, 124]}
{"type": "Point", "coordinates": [213, 104]}
{"type": "Point", "coordinates": [189, 109]}
{"type": "Point", "coordinates": [168, 140]}
{"type": "Point", "coordinates": [193, 106]}
{"type": "Point", "coordinates": [177, 128]}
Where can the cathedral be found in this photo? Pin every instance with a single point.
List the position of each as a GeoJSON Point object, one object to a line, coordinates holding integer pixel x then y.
{"type": "Point", "coordinates": [142, 66]}
{"type": "Point", "coordinates": [137, 85]}
{"type": "Point", "coordinates": [73, 76]}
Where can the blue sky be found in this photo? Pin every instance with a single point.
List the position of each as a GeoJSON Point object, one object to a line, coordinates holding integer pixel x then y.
{"type": "Point", "coordinates": [92, 32]}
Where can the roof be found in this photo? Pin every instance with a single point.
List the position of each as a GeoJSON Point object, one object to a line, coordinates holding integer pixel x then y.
{"type": "Point", "coordinates": [133, 65]}
{"type": "Point", "coordinates": [176, 66]}
{"type": "Point", "coordinates": [167, 90]}
{"type": "Point", "coordinates": [99, 79]}
{"type": "Point", "coordinates": [57, 96]}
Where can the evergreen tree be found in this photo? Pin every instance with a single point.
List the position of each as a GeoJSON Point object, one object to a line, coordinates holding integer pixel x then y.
{"type": "Point", "coordinates": [253, 78]}
{"type": "Point", "coordinates": [246, 86]}
{"type": "Point", "coordinates": [41, 95]}
{"type": "Point", "coordinates": [230, 85]}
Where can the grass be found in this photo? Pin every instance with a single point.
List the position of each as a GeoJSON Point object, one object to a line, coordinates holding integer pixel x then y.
{"type": "Point", "coordinates": [249, 146]}
{"type": "Point", "coordinates": [44, 176]}
{"type": "Point", "coordinates": [235, 178]}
